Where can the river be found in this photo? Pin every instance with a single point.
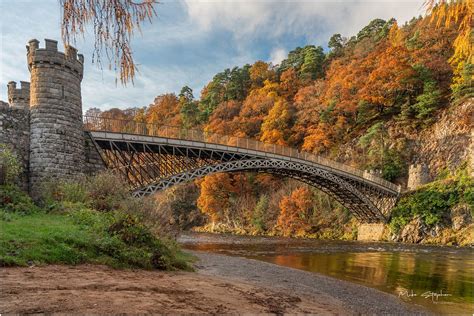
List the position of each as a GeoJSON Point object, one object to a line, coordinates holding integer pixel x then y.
{"type": "Point", "coordinates": [439, 278]}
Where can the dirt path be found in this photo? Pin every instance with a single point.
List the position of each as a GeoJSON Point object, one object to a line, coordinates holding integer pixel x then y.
{"type": "Point", "coordinates": [223, 285]}
{"type": "Point", "coordinates": [98, 289]}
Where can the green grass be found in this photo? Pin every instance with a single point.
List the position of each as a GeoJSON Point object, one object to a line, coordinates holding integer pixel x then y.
{"type": "Point", "coordinates": [83, 236]}
{"type": "Point", "coordinates": [65, 232]}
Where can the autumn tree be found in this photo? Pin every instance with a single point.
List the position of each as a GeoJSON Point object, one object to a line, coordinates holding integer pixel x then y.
{"type": "Point", "coordinates": [165, 110]}
{"type": "Point", "coordinates": [255, 107]}
{"type": "Point", "coordinates": [295, 211]}
{"type": "Point", "coordinates": [308, 105]}
{"type": "Point", "coordinates": [214, 199]}
{"type": "Point", "coordinates": [224, 119]}
{"type": "Point", "coordinates": [289, 84]}
{"type": "Point", "coordinates": [114, 23]}
{"type": "Point", "coordinates": [225, 197]}
{"type": "Point", "coordinates": [390, 80]}
{"type": "Point", "coordinates": [276, 126]}
{"type": "Point", "coordinates": [259, 73]}
{"type": "Point", "coordinates": [460, 12]}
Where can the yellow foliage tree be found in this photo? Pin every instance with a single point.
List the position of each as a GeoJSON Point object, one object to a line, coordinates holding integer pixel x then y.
{"type": "Point", "coordinates": [276, 125]}
{"type": "Point", "coordinates": [445, 12]}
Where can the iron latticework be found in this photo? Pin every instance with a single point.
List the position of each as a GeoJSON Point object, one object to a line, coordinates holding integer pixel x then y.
{"type": "Point", "coordinates": [153, 158]}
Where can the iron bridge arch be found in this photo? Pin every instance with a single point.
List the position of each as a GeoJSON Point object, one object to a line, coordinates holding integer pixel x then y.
{"type": "Point", "coordinates": [151, 163]}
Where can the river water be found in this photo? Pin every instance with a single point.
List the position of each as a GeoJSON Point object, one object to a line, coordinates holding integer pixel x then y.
{"type": "Point", "coordinates": [438, 278]}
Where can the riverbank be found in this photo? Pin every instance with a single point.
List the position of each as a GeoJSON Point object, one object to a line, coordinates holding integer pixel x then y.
{"type": "Point", "coordinates": [393, 268]}
{"type": "Point", "coordinates": [222, 284]}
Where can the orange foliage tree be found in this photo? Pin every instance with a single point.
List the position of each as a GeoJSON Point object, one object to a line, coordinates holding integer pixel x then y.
{"type": "Point", "coordinates": [214, 199]}
{"type": "Point", "coordinates": [295, 211]}
{"type": "Point", "coordinates": [259, 72]}
{"type": "Point", "coordinates": [255, 107]}
{"type": "Point", "coordinates": [165, 110]}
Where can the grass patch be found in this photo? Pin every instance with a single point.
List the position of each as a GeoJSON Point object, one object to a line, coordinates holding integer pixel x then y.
{"type": "Point", "coordinates": [85, 236]}
{"type": "Point", "coordinates": [68, 230]}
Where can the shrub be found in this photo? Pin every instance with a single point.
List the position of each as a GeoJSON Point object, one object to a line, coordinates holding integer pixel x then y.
{"type": "Point", "coordinates": [12, 199]}
{"type": "Point", "coordinates": [433, 202]}
{"type": "Point", "coordinates": [103, 192]}
{"type": "Point", "coordinates": [10, 162]}
{"type": "Point", "coordinates": [129, 229]}
{"type": "Point", "coordinates": [107, 191]}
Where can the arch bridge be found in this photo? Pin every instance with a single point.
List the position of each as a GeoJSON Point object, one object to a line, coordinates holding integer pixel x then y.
{"type": "Point", "coordinates": [154, 157]}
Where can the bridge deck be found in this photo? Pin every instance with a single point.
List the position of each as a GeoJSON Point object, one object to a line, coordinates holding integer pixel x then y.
{"type": "Point", "coordinates": [101, 137]}
{"type": "Point", "coordinates": [152, 133]}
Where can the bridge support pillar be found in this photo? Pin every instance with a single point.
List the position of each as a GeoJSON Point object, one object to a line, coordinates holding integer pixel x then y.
{"type": "Point", "coordinates": [370, 232]}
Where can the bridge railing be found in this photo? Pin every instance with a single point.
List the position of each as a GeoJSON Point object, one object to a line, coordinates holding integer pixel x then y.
{"type": "Point", "coordinates": [103, 124]}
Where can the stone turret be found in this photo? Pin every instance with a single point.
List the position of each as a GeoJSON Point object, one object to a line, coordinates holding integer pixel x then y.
{"type": "Point", "coordinates": [56, 130]}
{"type": "Point", "coordinates": [19, 98]}
{"type": "Point", "coordinates": [418, 174]}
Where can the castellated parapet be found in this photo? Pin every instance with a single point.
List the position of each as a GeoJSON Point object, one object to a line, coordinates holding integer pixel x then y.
{"type": "Point", "coordinates": [418, 175]}
{"type": "Point", "coordinates": [56, 131]}
{"type": "Point", "coordinates": [19, 97]}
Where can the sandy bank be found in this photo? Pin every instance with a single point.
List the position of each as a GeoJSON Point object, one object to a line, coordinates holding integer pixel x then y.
{"type": "Point", "coordinates": [222, 285]}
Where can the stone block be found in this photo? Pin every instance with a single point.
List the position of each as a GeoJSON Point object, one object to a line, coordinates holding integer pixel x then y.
{"type": "Point", "coordinates": [370, 232]}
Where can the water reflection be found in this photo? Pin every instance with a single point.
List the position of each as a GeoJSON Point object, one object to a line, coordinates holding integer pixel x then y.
{"type": "Point", "coordinates": [411, 270]}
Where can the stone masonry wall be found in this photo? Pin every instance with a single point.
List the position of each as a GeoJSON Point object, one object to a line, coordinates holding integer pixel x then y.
{"type": "Point", "coordinates": [417, 176]}
{"type": "Point", "coordinates": [93, 161]}
{"type": "Point", "coordinates": [56, 130]}
{"type": "Point", "coordinates": [370, 232]}
{"type": "Point", "coordinates": [14, 131]}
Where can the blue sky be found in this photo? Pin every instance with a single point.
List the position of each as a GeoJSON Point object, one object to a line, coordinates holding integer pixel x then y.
{"type": "Point", "coordinates": [191, 40]}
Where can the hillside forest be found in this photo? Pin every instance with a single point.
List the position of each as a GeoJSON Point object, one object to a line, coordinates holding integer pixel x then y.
{"type": "Point", "coordinates": [360, 101]}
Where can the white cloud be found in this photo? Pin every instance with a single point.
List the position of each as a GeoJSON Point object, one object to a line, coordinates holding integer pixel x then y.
{"type": "Point", "coordinates": [277, 55]}
{"type": "Point", "coordinates": [245, 18]}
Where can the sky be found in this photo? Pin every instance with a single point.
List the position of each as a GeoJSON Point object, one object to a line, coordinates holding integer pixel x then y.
{"type": "Point", "coordinates": [190, 41]}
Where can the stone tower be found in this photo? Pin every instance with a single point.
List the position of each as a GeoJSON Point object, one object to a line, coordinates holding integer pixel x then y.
{"type": "Point", "coordinates": [418, 175]}
{"type": "Point", "coordinates": [19, 98]}
{"type": "Point", "coordinates": [56, 130]}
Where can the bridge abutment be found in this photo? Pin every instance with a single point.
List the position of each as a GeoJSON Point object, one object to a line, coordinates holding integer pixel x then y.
{"type": "Point", "coordinates": [370, 232]}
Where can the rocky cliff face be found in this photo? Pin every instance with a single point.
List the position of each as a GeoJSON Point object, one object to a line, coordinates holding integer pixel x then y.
{"type": "Point", "coordinates": [448, 142]}
{"type": "Point", "coordinates": [458, 229]}
{"type": "Point", "coordinates": [445, 144]}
